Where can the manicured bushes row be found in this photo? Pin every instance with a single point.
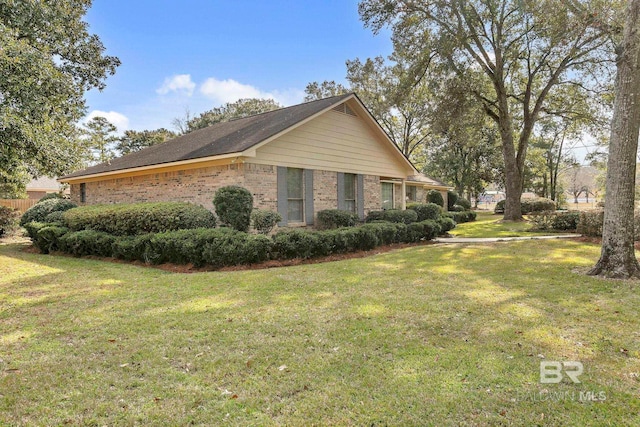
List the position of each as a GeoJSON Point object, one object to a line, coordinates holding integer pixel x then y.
{"type": "Point", "coordinates": [554, 220]}
{"type": "Point", "coordinates": [139, 218]}
{"type": "Point", "coordinates": [460, 217]}
{"type": "Point", "coordinates": [590, 223]}
{"type": "Point", "coordinates": [40, 210]}
{"type": "Point", "coordinates": [393, 215]}
{"type": "Point", "coordinates": [224, 246]}
{"type": "Point", "coordinates": [529, 205]}
{"type": "Point", "coordinates": [335, 218]}
{"type": "Point", "coordinates": [426, 211]}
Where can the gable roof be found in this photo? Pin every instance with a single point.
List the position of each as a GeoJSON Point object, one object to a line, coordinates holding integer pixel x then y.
{"type": "Point", "coordinates": [226, 138]}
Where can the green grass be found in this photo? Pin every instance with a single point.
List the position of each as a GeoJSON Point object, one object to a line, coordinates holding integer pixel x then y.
{"type": "Point", "coordinates": [490, 225]}
{"type": "Point", "coordinates": [430, 335]}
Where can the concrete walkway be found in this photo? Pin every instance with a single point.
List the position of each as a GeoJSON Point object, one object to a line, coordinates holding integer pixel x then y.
{"type": "Point", "coordinates": [501, 239]}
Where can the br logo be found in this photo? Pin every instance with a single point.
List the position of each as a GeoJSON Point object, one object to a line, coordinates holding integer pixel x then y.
{"type": "Point", "coordinates": [551, 371]}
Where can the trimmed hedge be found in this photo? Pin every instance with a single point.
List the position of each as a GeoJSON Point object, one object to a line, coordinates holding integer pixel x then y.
{"type": "Point", "coordinates": [393, 215]}
{"type": "Point", "coordinates": [87, 242]}
{"type": "Point", "coordinates": [539, 204]}
{"type": "Point", "coordinates": [39, 211]}
{"type": "Point", "coordinates": [446, 224]}
{"type": "Point", "coordinates": [335, 218]}
{"type": "Point", "coordinates": [233, 206]}
{"type": "Point", "coordinates": [426, 211]}
{"type": "Point", "coordinates": [139, 218]}
{"type": "Point", "coordinates": [452, 199]}
{"type": "Point", "coordinates": [590, 223]}
{"type": "Point", "coordinates": [460, 217]}
{"type": "Point", "coordinates": [434, 196]}
{"type": "Point", "coordinates": [264, 221]}
{"type": "Point", "coordinates": [49, 238]}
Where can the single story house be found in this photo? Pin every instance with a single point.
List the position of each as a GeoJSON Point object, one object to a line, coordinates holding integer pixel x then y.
{"type": "Point", "coordinates": [324, 154]}
{"type": "Point", "coordinates": [37, 188]}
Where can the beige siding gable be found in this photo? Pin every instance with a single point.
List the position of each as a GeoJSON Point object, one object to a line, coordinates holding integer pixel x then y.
{"type": "Point", "coordinates": [334, 141]}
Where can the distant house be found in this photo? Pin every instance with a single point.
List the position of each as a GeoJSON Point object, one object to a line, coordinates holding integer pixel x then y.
{"type": "Point", "coordinates": [325, 154]}
{"type": "Point", "coordinates": [40, 187]}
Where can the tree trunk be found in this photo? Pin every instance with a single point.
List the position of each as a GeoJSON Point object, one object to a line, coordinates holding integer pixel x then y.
{"type": "Point", "coordinates": [617, 257]}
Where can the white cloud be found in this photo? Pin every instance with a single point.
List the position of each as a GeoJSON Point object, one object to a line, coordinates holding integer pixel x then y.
{"type": "Point", "coordinates": [222, 91]}
{"type": "Point", "coordinates": [119, 120]}
{"type": "Point", "coordinates": [180, 83]}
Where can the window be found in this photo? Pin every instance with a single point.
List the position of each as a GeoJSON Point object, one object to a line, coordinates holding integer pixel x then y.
{"type": "Point", "coordinates": [411, 193]}
{"type": "Point", "coordinates": [387, 195]}
{"type": "Point", "coordinates": [295, 195]}
{"type": "Point", "coordinates": [350, 192]}
{"type": "Point", "coordinates": [83, 192]}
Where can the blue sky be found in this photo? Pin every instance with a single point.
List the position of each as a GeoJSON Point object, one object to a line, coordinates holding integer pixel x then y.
{"type": "Point", "coordinates": [196, 54]}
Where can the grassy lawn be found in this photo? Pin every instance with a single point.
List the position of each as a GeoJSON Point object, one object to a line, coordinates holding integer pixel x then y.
{"type": "Point", "coordinates": [431, 335]}
{"type": "Point", "coordinates": [488, 225]}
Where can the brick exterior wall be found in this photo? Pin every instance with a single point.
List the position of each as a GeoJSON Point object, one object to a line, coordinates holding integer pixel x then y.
{"type": "Point", "coordinates": [199, 186]}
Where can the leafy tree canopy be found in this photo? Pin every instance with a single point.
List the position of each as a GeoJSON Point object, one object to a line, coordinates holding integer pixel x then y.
{"type": "Point", "coordinates": [231, 110]}
{"type": "Point", "coordinates": [48, 59]}
{"type": "Point", "coordinates": [134, 140]}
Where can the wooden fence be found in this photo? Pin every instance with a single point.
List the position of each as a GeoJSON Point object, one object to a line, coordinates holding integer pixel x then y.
{"type": "Point", "coordinates": [20, 204]}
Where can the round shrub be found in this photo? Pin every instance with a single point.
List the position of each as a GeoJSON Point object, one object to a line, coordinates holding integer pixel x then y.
{"type": "Point", "coordinates": [233, 206]}
{"type": "Point", "coordinates": [87, 242]}
{"type": "Point", "coordinates": [335, 218]}
{"type": "Point", "coordinates": [426, 211]}
{"type": "Point", "coordinates": [446, 224]}
{"type": "Point", "coordinates": [139, 218]}
{"type": "Point", "coordinates": [374, 216]}
{"type": "Point", "coordinates": [457, 208]}
{"type": "Point", "coordinates": [39, 211]}
{"type": "Point", "coordinates": [56, 217]}
{"type": "Point", "coordinates": [465, 203]}
{"type": "Point", "coordinates": [263, 221]}
{"type": "Point", "coordinates": [539, 204]}
{"type": "Point", "coordinates": [434, 196]}
{"type": "Point", "coordinates": [452, 199]}
{"type": "Point", "coordinates": [565, 221]}
{"type": "Point", "coordinates": [48, 238]}
{"type": "Point", "coordinates": [397, 215]}
{"type": "Point", "coordinates": [50, 196]}
{"type": "Point", "coordinates": [291, 244]}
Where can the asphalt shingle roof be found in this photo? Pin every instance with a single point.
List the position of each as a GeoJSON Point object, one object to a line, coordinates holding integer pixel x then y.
{"type": "Point", "coordinates": [222, 138]}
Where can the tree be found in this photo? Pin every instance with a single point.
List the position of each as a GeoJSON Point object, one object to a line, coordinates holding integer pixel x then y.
{"type": "Point", "coordinates": [99, 138]}
{"type": "Point", "coordinates": [617, 257]}
{"type": "Point", "coordinates": [326, 89]}
{"type": "Point", "coordinates": [134, 140]}
{"type": "Point", "coordinates": [464, 149]}
{"type": "Point", "coordinates": [513, 54]}
{"type": "Point", "coordinates": [231, 110]}
{"type": "Point", "coordinates": [48, 59]}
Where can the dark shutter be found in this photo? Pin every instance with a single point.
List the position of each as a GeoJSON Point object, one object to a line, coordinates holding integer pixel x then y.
{"type": "Point", "coordinates": [283, 207]}
{"type": "Point", "coordinates": [360, 196]}
{"type": "Point", "coordinates": [308, 196]}
{"type": "Point", "coordinates": [340, 190]}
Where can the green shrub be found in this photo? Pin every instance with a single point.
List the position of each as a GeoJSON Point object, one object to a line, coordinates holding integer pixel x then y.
{"type": "Point", "coordinates": [48, 238]}
{"type": "Point", "coordinates": [289, 244]}
{"type": "Point", "coordinates": [88, 242]}
{"type": "Point", "coordinates": [50, 196]}
{"type": "Point", "coordinates": [446, 224]}
{"type": "Point", "coordinates": [139, 218]}
{"type": "Point", "coordinates": [8, 219]}
{"type": "Point", "coordinates": [263, 221]}
{"type": "Point", "coordinates": [542, 220]}
{"type": "Point", "coordinates": [457, 208]}
{"type": "Point", "coordinates": [131, 248]}
{"type": "Point", "coordinates": [460, 217]}
{"type": "Point", "coordinates": [465, 203]}
{"type": "Point", "coordinates": [33, 227]}
{"type": "Point", "coordinates": [539, 204]}
{"type": "Point", "coordinates": [374, 216]}
{"type": "Point", "coordinates": [452, 199]}
{"type": "Point", "coordinates": [590, 223]}
{"type": "Point", "coordinates": [426, 211]}
{"type": "Point", "coordinates": [56, 217]}
{"type": "Point", "coordinates": [233, 206]}
{"type": "Point", "coordinates": [400, 216]}
{"type": "Point", "coordinates": [39, 211]}
{"type": "Point", "coordinates": [434, 196]}
{"type": "Point", "coordinates": [335, 218]}
{"type": "Point", "coordinates": [565, 221]}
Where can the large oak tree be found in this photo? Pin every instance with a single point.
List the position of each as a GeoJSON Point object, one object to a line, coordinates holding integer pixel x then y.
{"type": "Point", "coordinates": [522, 50]}
{"type": "Point", "coordinates": [48, 59]}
